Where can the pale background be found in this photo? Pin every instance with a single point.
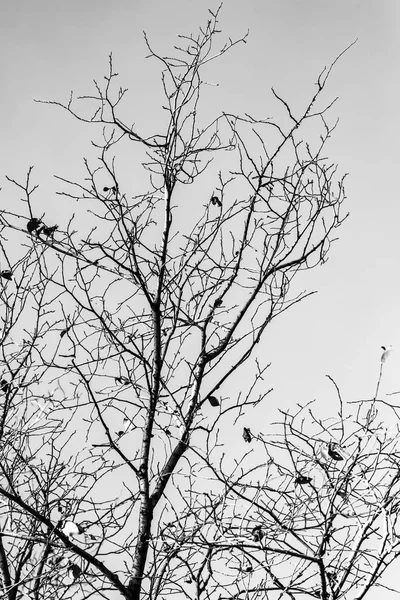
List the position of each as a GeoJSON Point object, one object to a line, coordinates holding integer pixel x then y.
{"type": "Point", "coordinates": [48, 48]}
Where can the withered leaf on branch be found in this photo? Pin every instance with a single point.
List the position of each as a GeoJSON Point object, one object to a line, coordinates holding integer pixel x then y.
{"type": "Point", "coordinates": [5, 386]}
{"type": "Point", "coordinates": [303, 480]}
{"type": "Point", "coordinates": [48, 231]}
{"type": "Point", "coordinates": [215, 201]}
{"type": "Point", "coordinates": [257, 533]}
{"type": "Point", "coordinates": [122, 380]}
{"type": "Point", "coordinates": [7, 274]}
{"type": "Point", "coordinates": [213, 401]}
{"type": "Point", "coordinates": [333, 451]}
{"type": "Point", "coordinates": [125, 424]}
{"type": "Point", "coordinates": [33, 224]}
{"type": "Point", "coordinates": [247, 435]}
{"type": "Point", "coordinates": [74, 571]}
{"type": "Point", "coordinates": [387, 350]}
{"type": "Point", "coordinates": [63, 507]}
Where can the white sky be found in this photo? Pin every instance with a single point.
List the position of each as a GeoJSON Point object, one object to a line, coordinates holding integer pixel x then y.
{"type": "Point", "coordinates": [48, 48]}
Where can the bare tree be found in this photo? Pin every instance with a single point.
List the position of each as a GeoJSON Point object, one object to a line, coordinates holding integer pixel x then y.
{"type": "Point", "coordinates": [121, 342]}
{"type": "Point", "coordinates": [319, 517]}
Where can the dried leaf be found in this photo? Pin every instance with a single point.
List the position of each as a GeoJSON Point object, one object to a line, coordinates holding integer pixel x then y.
{"type": "Point", "coordinates": [74, 571]}
{"type": "Point", "coordinates": [49, 231]}
{"type": "Point", "coordinates": [33, 224]}
{"type": "Point", "coordinates": [333, 452]}
{"type": "Point", "coordinates": [247, 435]}
{"type": "Point", "coordinates": [303, 480]}
{"type": "Point", "coordinates": [122, 380]}
{"type": "Point", "coordinates": [213, 401]}
{"type": "Point", "coordinates": [5, 386]}
{"type": "Point", "coordinates": [215, 201]}
{"type": "Point", "coordinates": [257, 533]}
{"type": "Point", "coordinates": [6, 275]}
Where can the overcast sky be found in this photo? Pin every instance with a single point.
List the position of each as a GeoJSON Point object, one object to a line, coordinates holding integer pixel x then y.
{"type": "Point", "coordinates": [49, 47]}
